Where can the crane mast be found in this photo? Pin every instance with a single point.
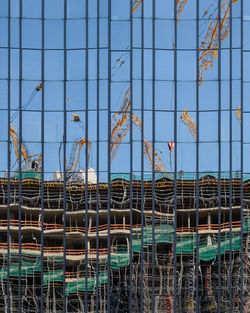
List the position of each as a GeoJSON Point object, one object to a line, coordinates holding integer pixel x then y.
{"type": "Point", "coordinates": [210, 45]}
{"type": "Point", "coordinates": [190, 124]}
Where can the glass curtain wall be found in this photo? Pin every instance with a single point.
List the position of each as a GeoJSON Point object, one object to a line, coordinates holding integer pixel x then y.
{"type": "Point", "coordinates": [124, 144]}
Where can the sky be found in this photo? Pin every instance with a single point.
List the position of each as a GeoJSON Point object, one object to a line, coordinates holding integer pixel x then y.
{"type": "Point", "coordinates": [120, 76]}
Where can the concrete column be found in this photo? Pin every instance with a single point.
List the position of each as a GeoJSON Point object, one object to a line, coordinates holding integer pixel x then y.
{"type": "Point", "coordinates": [209, 220]}
{"type": "Point", "coordinates": [209, 238]}
{"type": "Point", "coordinates": [123, 221]}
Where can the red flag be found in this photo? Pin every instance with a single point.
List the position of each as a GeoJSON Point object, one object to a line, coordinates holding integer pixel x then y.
{"type": "Point", "coordinates": [171, 146]}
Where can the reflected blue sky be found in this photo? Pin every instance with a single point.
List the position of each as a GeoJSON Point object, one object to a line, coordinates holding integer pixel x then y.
{"type": "Point", "coordinates": [120, 76]}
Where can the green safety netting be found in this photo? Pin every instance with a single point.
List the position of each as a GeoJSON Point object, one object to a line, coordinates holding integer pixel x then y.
{"type": "Point", "coordinates": [182, 175]}
{"type": "Point", "coordinates": [80, 284]}
{"type": "Point", "coordinates": [208, 247]}
{"type": "Point", "coordinates": [162, 233]}
{"type": "Point", "coordinates": [119, 260]}
{"type": "Point", "coordinates": [186, 244]}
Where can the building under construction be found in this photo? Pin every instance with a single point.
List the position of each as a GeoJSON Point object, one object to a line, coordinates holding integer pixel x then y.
{"type": "Point", "coordinates": [139, 260]}
{"type": "Point", "coordinates": [124, 172]}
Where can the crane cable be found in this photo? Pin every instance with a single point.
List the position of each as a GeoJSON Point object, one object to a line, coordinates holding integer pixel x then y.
{"type": "Point", "coordinates": [27, 104]}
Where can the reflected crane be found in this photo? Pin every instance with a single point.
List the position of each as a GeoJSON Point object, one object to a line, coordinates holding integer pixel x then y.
{"type": "Point", "coordinates": [190, 124]}
{"type": "Point", "coordinates": [27, 104]}
{"type": "Point", "coordinates": [15, 142]}
{"type": "Point", "coordinates": [136, 4]}
{"type": "Point", "coordinates": [120, 128]}
{"type": "Point", "coordinates": [238, 114]}
{"type": "Point", "coordinates": [210, 45]}
{"type": "Point", "coordinates": [148, 150]}
{"type": "Point", "coordinates": [71, 169]}
{"type": "Point", "coordinates": [180, 7]}
{"type": "Point", "coordinates": [29, 165]}
{"type": "Point", "coordinates": [120, 124]}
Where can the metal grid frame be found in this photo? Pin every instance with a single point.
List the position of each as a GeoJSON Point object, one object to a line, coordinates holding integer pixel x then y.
{"type": "Point", "coordinates": [176, 309]}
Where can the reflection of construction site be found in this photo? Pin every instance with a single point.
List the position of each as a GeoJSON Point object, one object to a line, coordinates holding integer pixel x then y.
{"type": "Point", "coordinates": [115, 247]}
{"type": "Point", "coordinates": [94, 262]}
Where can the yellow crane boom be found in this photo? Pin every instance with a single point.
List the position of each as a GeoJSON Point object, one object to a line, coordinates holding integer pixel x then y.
{"type": "Point", "coordinates": [15, 142]}
{"type": "Point", "coordinates": [13, 134]}
{"type": "Point", "coordinates": [210, 45]}
{"type": "Point", "coordinates": [24, 152]}
{"type": "Point", "coordinates": [238, 114]}
{"type": "Point", "coordinates": [158, 163]}
{"type": "Point", "coordinates": [190, 124]}
{"type": "Point", "coordinates": [136, 4]}
{"type": "Point", "coordinates": [120, 128]}
{"type": "Point", "coordinates": [180, 6]}
{"type": "Point", "coordinates": [119, 124]}
{"type": "Point", "coordinates": [76, 155]}
{"type": "Point", "coordinates": [148, 150]}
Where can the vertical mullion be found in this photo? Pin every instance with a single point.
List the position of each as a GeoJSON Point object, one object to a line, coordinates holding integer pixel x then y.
{"type": "Point", "coordinates": [131, 160]}
{"type": "Point", "coordinates": [242, 164]}
{"type": "Point", "coordinates": [197, 162]}
{"type": "Point", "coordinates": [42, 173]}
{"type": "Point", "coordinates": [64, 151]}
{"type": "Point", "coordinates": [20, 165]}
{"type": "Point", "coordinates": [230, 162]}
{"type": "Point", "coordinates": [142, 155]}
{"type": "Point", "coordinates": [109, 152]}
{"type": "Point", "coordinates": [175, 158]}
{"type": "Point", "coordinates": [97, 157]}
{"type": "Point", "coordinates": [86, 163]}
{"type": "Point", "coordinates": [219, 159]}
{"type": "Point", "coordinates": [8, 160]}
{"type": "Point", "coordinates": [153, 165]}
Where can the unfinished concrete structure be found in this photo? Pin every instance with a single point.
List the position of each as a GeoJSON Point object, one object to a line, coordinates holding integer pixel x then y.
{"type": "Point", "coordinates": [117, 254]}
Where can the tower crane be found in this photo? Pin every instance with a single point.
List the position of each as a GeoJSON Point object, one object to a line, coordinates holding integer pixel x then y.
{"type": "Point", "coordinates": [71, 169]}
{"type": "Point", "coordinates": [180, 6]}
{"type": "Point", "coordinates": [238, 114]}
{"type": "Point", "coordinates": [13, 134]}
{"type": "Point", "coordinates": [208, 48]}
{"type": "Point", "coordinates": [190, 124]}
{"type": "Point", "coordinates": [32, 167]}
{"type": "Point", "coordinates": [15, 142]}
{"type": "Point", "coordinates": [27, 104]}
{"type": "Point", "coordinates": [120, 128]}
{"type": "Point", "coordinates": [148, 150]}
{"type": "Point", "coordinates": [136, 4]}
{"type": "Point", "coordinates": [120, 124]}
